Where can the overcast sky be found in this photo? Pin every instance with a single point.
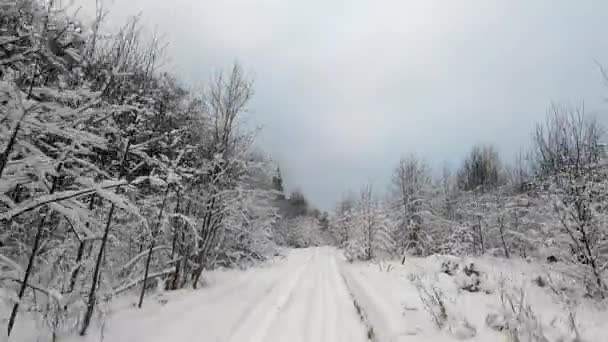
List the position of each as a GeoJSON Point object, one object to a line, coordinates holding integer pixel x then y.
{"type": "Point", "coordinates": [344, 88]}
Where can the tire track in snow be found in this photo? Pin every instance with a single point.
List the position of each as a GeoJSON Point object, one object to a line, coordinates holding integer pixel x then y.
{"type": "Point", "coordinates": [377, 308]}
{"type": "Point", "coordinates": [181, 319]}
{"type": "Point", "coordinates": [214, 295]}
{"type": "Point", "coordinates": [321, 309]}
{"type": "Point", "coordinates": [302, 300]}
{"type": "Point", "coordinates": [316, 314]}
{"type": "Point", "coordinates": [295, 318]}
{"type": "Point", "coordinates": [255, 322]}
{"type": "Point", "coordinates": [338, 284]}
{"type": "Point", "coordinates": [345, 302]}
{"type": "Point", "coordinates": [239, 285]}
{"type": "Point", "coordinates": [207, 296]}
{"type": "Point", "coordinates": [265, 294]}
{"type": "Point", "coordinates": [331, 304]}
{"type": "Point", "coordinates": [245, 279]}
{"type": "Point", "coordinates": [310, 305]}
{"type": "Point", "coordinates": [363, 315]}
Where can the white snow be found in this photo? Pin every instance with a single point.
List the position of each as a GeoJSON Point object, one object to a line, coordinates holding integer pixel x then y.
{"type": "Point", "coordinates": [393, 305]}
{"type": "Point", "coordinates": [315, 295]}
{"type": "Point", "coordinates": [300, 298]}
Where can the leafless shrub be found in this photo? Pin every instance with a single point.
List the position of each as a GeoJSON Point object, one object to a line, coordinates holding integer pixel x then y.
{"type": "Point", "coordinates": [568, 148]}
{"type": "Point", "coordinates": [519, 321]}
{"type": "Point", "coordinates": [433, 300]}
{"type": "Point", "coordinates": [385, 267]}
{"type": "Point", "coordinates": [467, 277]}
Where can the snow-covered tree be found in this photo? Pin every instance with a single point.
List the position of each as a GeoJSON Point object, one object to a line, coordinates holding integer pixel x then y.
{"type": "Point", "coordinates": [569, 160]}
{"type": "Point", "coordinates": [113, 175]}
{"type": "Point", "coordinates": [411, 187]}
{"type": "Point", "coordinates": [341, 223]}
{"type": "Point", "coordinates": [568, 141]}
{"type": "Point", "coordinates": [371, 232]}
{"type": "Point", "coordinates": [481, 170]}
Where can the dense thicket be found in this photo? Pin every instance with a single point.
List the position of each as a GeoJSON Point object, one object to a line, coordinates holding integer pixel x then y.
{"type": "Point", "coordinates": [113, 176]}
{"type": "Point", "coordinates": [551, 202]}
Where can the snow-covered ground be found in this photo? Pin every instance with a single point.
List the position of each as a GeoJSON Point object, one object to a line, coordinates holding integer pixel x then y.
{"type": "Point", "coordinates": [387, 293]}
{"type": "Point", "coordinates": [314, 295]}
{"type": "Point", "coordinates": [299, 298]}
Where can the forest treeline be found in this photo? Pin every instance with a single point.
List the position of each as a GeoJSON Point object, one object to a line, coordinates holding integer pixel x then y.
{"type": "Point", "coordinates": [115, 177]}
{"type": "Point", "coordinates": [550, 203]}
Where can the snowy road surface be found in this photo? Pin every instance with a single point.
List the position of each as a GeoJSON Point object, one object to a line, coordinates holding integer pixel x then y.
{"type": "Point", "coordinates": [308, 296]}
{"type": "Point", "coordinates": [300, 298]}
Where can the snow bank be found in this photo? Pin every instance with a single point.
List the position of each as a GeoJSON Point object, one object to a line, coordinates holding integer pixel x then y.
{"type": "Point", "coordinates": [392, 302]}
{"type": "Point", "coordinates": [172, 315]}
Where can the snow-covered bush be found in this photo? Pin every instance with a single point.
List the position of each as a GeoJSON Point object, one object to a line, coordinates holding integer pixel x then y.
{"type": "Point", "coordinates": [468, 279]}
{"type": "Point", "coordinates": [370, 229]}
{"type": "Point", "coordinates": [466, 275]}
{"type": "Point", "coordinates": [518, 320]}
{"type": "Point", "coordinates": [112, 175]}
{"type": "Point", "coordinates": [409, 200]}
{"type": "Point", "coordinates": [300, 232]}
{"type": "Point", "coordinates": [433, 300]}
{"type": "Point", "coordinates": [580, 205]}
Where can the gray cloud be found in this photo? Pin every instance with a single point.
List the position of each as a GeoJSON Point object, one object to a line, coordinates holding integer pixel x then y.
{"type": "Point", "coordinates": [344, 88]}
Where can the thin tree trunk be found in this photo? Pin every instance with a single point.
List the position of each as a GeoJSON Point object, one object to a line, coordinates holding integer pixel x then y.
{"type": "Point", "coordinates": [92, 293]}
{"type": "Point", "coordinates": [592, 262]}
{"type": "Point", "coordinates": [174, 242]}
{"type": "Point", "coordinates": [183, 262]}
{"type": "Point", "coordinates": [146, 272]}
{"type": "Point", "coordinates": [175, 230]}
{"type": "Point", "coordinates": [199, 270]}
{"type": "Point", "coordinates": [502, 237]}
{"type": "Point", "coordinates": [90, 249]}
{"type": "Point", "coordinates": [96, 273]}
{"type": "Point", "coordinates": [174, 249]}
{"type": "Point", "coordinates": [28, 272]}
{"type": "Point", "coordinates": [34, 75]}
{"type": "Point", "coordinates": [185, 268]}
{"type": "Point", "coordinates": [202, 257]}
{"type": "Point", "coordinates": [80, 253]}
{"type": "Point", "coordinates": [206, 232]}
{"type": "Point", "coordinates": [30, 264]}
{"type": "Point", "coordinates": [11, 143]}
{"type": "Point", "coordinates": [483, 250]}
{"type": "Point", "coordinates": [209, 239]}
{"type": "Point", "coordinates": [175, 280]}
{"type": "Point", "coordinates": [74, 275]}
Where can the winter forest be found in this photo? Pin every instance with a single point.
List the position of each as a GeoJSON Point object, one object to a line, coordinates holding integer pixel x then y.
{"type": "Point", "coordinates": [129, 198]}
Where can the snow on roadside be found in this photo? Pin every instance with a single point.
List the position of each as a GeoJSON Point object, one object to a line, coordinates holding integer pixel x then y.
{"type": "Point", "coordinates": [390, 303]}
{"type": "Point", "coordinates": [169, 315]}
{"type": "Point", "coordinates": [211, 313]}
{"type": "Point", "coordinates": [298, 299]}
{"type": "Point", "coordinates": [393, 305]}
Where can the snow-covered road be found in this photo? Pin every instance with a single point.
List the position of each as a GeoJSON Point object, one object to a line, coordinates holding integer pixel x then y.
{"type": "Point", "coordinates": [300, 298]}
{"type": "Point", "coordinates": [308, 296]}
